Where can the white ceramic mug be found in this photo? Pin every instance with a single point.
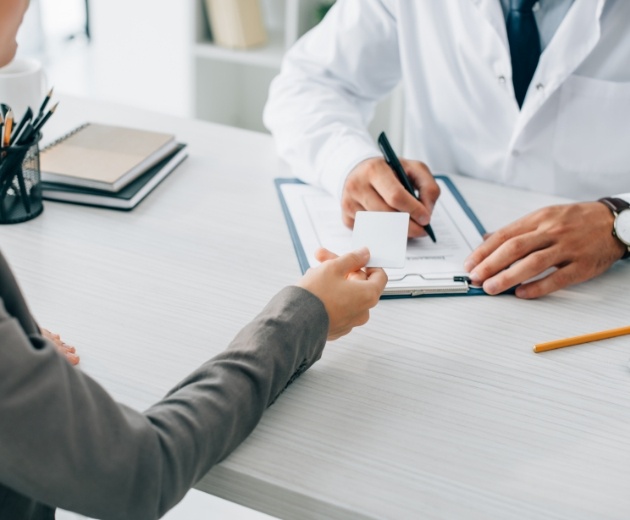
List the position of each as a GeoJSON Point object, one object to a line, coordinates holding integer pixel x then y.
{"type": "Point", "coordinates": [22, 84]}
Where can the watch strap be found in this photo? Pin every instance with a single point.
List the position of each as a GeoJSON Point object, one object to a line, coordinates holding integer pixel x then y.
{"type": "Point", "coordinates": [616, 206]}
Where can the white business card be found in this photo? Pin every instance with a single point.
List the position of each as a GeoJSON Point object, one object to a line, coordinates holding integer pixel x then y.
{"type": "Point", "coordinates": [384, 234]}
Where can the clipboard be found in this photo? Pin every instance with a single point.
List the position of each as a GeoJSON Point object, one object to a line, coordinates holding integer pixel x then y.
{"type": "Point", "coordinates": [314, 220]}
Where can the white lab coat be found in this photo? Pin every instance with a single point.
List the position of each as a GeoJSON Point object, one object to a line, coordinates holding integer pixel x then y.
{"type": "Point", "coordinates": [571, 138]}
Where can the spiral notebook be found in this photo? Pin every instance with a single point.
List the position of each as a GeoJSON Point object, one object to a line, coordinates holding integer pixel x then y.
{"type": "Point", "coordinates": [103, 157]}
{"type": "Point", "coordinates": [126, 198]}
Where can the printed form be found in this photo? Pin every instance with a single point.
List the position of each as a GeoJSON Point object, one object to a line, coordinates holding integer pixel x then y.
{"type": "Point", "coordinates": [430, 268]}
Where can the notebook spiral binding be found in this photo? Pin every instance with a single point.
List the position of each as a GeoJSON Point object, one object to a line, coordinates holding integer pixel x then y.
{"type": "Point", "coordinates": [64, 137]}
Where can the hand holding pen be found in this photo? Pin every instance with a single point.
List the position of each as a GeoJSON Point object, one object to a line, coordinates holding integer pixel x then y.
{"type": "Point", "coordinates": [401, 175]}
{"type": "Point", "coordinates": [372, 186]}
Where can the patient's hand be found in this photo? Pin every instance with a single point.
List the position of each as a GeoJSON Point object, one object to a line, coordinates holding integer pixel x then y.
{"type": "Point", "coordinates": [68, 351]}
{"type": "Point", "coordinates": [347, 290]}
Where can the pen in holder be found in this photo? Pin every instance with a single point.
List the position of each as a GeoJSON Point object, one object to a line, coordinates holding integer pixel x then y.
{"type": "Point", "coordinates": [20, 182]}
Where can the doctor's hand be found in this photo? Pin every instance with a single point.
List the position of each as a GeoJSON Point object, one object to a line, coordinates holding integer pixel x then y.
{"type": "Point", "coordinates": [373, 186]}
{"type": "Point", "coordinates": [347, 290]}
{"type": "Point", "coordinates": [573, 241]}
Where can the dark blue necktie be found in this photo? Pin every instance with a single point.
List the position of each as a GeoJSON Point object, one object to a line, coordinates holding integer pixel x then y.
{"type": "Point", "coordinates": [524, 42]}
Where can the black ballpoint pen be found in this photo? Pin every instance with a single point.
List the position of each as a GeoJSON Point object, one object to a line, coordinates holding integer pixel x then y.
{"type": "Point", "coordinates": [394, 164]}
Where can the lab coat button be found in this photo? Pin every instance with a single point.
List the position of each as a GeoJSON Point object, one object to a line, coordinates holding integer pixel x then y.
{"type": "Point", "coordinates": [501, 79]}
{"type": "Point", "coordinates": [540, 87]}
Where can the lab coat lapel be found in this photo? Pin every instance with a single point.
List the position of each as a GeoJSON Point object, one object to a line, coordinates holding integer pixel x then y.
{"type": "Point", "coordinates": [493, 13]}
{"type": "Point", "coordinates": [574, 40]}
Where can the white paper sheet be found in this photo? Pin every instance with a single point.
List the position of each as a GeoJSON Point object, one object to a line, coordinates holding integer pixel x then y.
{"type": "Point", "coordinates": [429, 268]}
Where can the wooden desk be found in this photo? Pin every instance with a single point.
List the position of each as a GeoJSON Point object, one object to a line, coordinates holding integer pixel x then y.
{"type": "Point", "coordinates": [437, 408]}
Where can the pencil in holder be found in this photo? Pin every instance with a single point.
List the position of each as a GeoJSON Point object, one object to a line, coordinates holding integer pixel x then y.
{"type": "Point", "coordinates": [20, 182]}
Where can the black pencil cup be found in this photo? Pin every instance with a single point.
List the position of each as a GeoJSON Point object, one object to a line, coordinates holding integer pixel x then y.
{"type": "Point", "coordinates": [20, 183]}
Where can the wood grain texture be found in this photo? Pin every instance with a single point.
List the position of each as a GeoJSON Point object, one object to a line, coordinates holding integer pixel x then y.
{"type": "Point", "coordinates": [437, 408]}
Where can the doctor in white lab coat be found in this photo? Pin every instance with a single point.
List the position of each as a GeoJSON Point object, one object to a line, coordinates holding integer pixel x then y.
{"type": "Point", "coordinates": [571, 137]}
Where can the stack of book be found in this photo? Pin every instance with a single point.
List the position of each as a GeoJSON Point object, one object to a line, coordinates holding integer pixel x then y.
{"type": "Point", "coordinates": [105, 165]}
{"type": "Point", "coordinates": [236, 24]}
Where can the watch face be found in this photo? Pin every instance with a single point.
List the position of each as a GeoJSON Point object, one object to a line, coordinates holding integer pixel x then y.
{"type": "Point", "coordinates": [622, 227]}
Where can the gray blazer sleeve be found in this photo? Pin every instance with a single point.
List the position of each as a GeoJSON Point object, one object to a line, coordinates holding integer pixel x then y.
{"type": "Point", "coordinates": [64, 441]}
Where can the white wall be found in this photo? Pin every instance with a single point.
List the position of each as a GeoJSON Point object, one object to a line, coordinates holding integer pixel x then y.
{"type": "Point", "coordinates": [138, 54]}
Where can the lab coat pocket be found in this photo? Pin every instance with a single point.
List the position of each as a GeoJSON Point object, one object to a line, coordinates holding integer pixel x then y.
{"type": "Point", "coordinates": [592, 139]}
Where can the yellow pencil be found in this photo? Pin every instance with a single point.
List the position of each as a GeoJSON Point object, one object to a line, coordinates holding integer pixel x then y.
{"type": "Point", "coordinates": [8, 127]}
{"type": "Point", "coordinates": [585, 338]}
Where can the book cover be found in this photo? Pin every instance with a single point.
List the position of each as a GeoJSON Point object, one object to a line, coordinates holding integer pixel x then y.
{"type": "Point", "coordinates": [128, 197]}
{"type": "Point", "coordinates": [103, 157]}
{"type": "Point", "coordinates": [236, 24]}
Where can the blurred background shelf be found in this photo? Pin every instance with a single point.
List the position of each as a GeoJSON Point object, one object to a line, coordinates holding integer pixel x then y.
{"type": "Point", "coordinates": [171, 64]}
{"type": "Point", "coordinates": [270, 55]}
{"type": "Point", "coordinates": [230, 86]}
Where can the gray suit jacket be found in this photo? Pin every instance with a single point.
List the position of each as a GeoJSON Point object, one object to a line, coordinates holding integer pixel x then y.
{"type": "Point", "coordinates": [64, 442]}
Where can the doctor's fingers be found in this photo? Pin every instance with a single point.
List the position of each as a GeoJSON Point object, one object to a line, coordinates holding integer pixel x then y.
{"type": "Point", "coordinates": [493, 241]}
{"type": "Point", "coordinates": [497, 272]}
{"type": "Point", "coordinates": [578, 260]}
{"type": "Point", "coordinates": [373, 186]}
{"type": "Point", "coordinates": [371, 200]}
{"type": "Point", "coordinates": [538, 265]}
{"type": "Point", "coordinates": [423, 180]}
{"type": "Point", "coordinates": [396, 198]}
{"type": "Point", "coordinates": [548, 268]}
{"type": "Point", "coordinates": [349, 208]}
{"type": "Point", "coordinates": [583, 266]}
{"type": "Point", "coordinates": [555, 280]}
{"type": "Point", "coordinates": [581, 224]}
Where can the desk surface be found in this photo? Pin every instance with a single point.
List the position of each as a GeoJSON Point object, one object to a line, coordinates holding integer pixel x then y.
{"type": "Point", "coordinates": [437, 408]}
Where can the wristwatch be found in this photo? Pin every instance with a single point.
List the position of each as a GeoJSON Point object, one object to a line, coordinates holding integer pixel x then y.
{"type": "Point", "coordinates": [621, 228]}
